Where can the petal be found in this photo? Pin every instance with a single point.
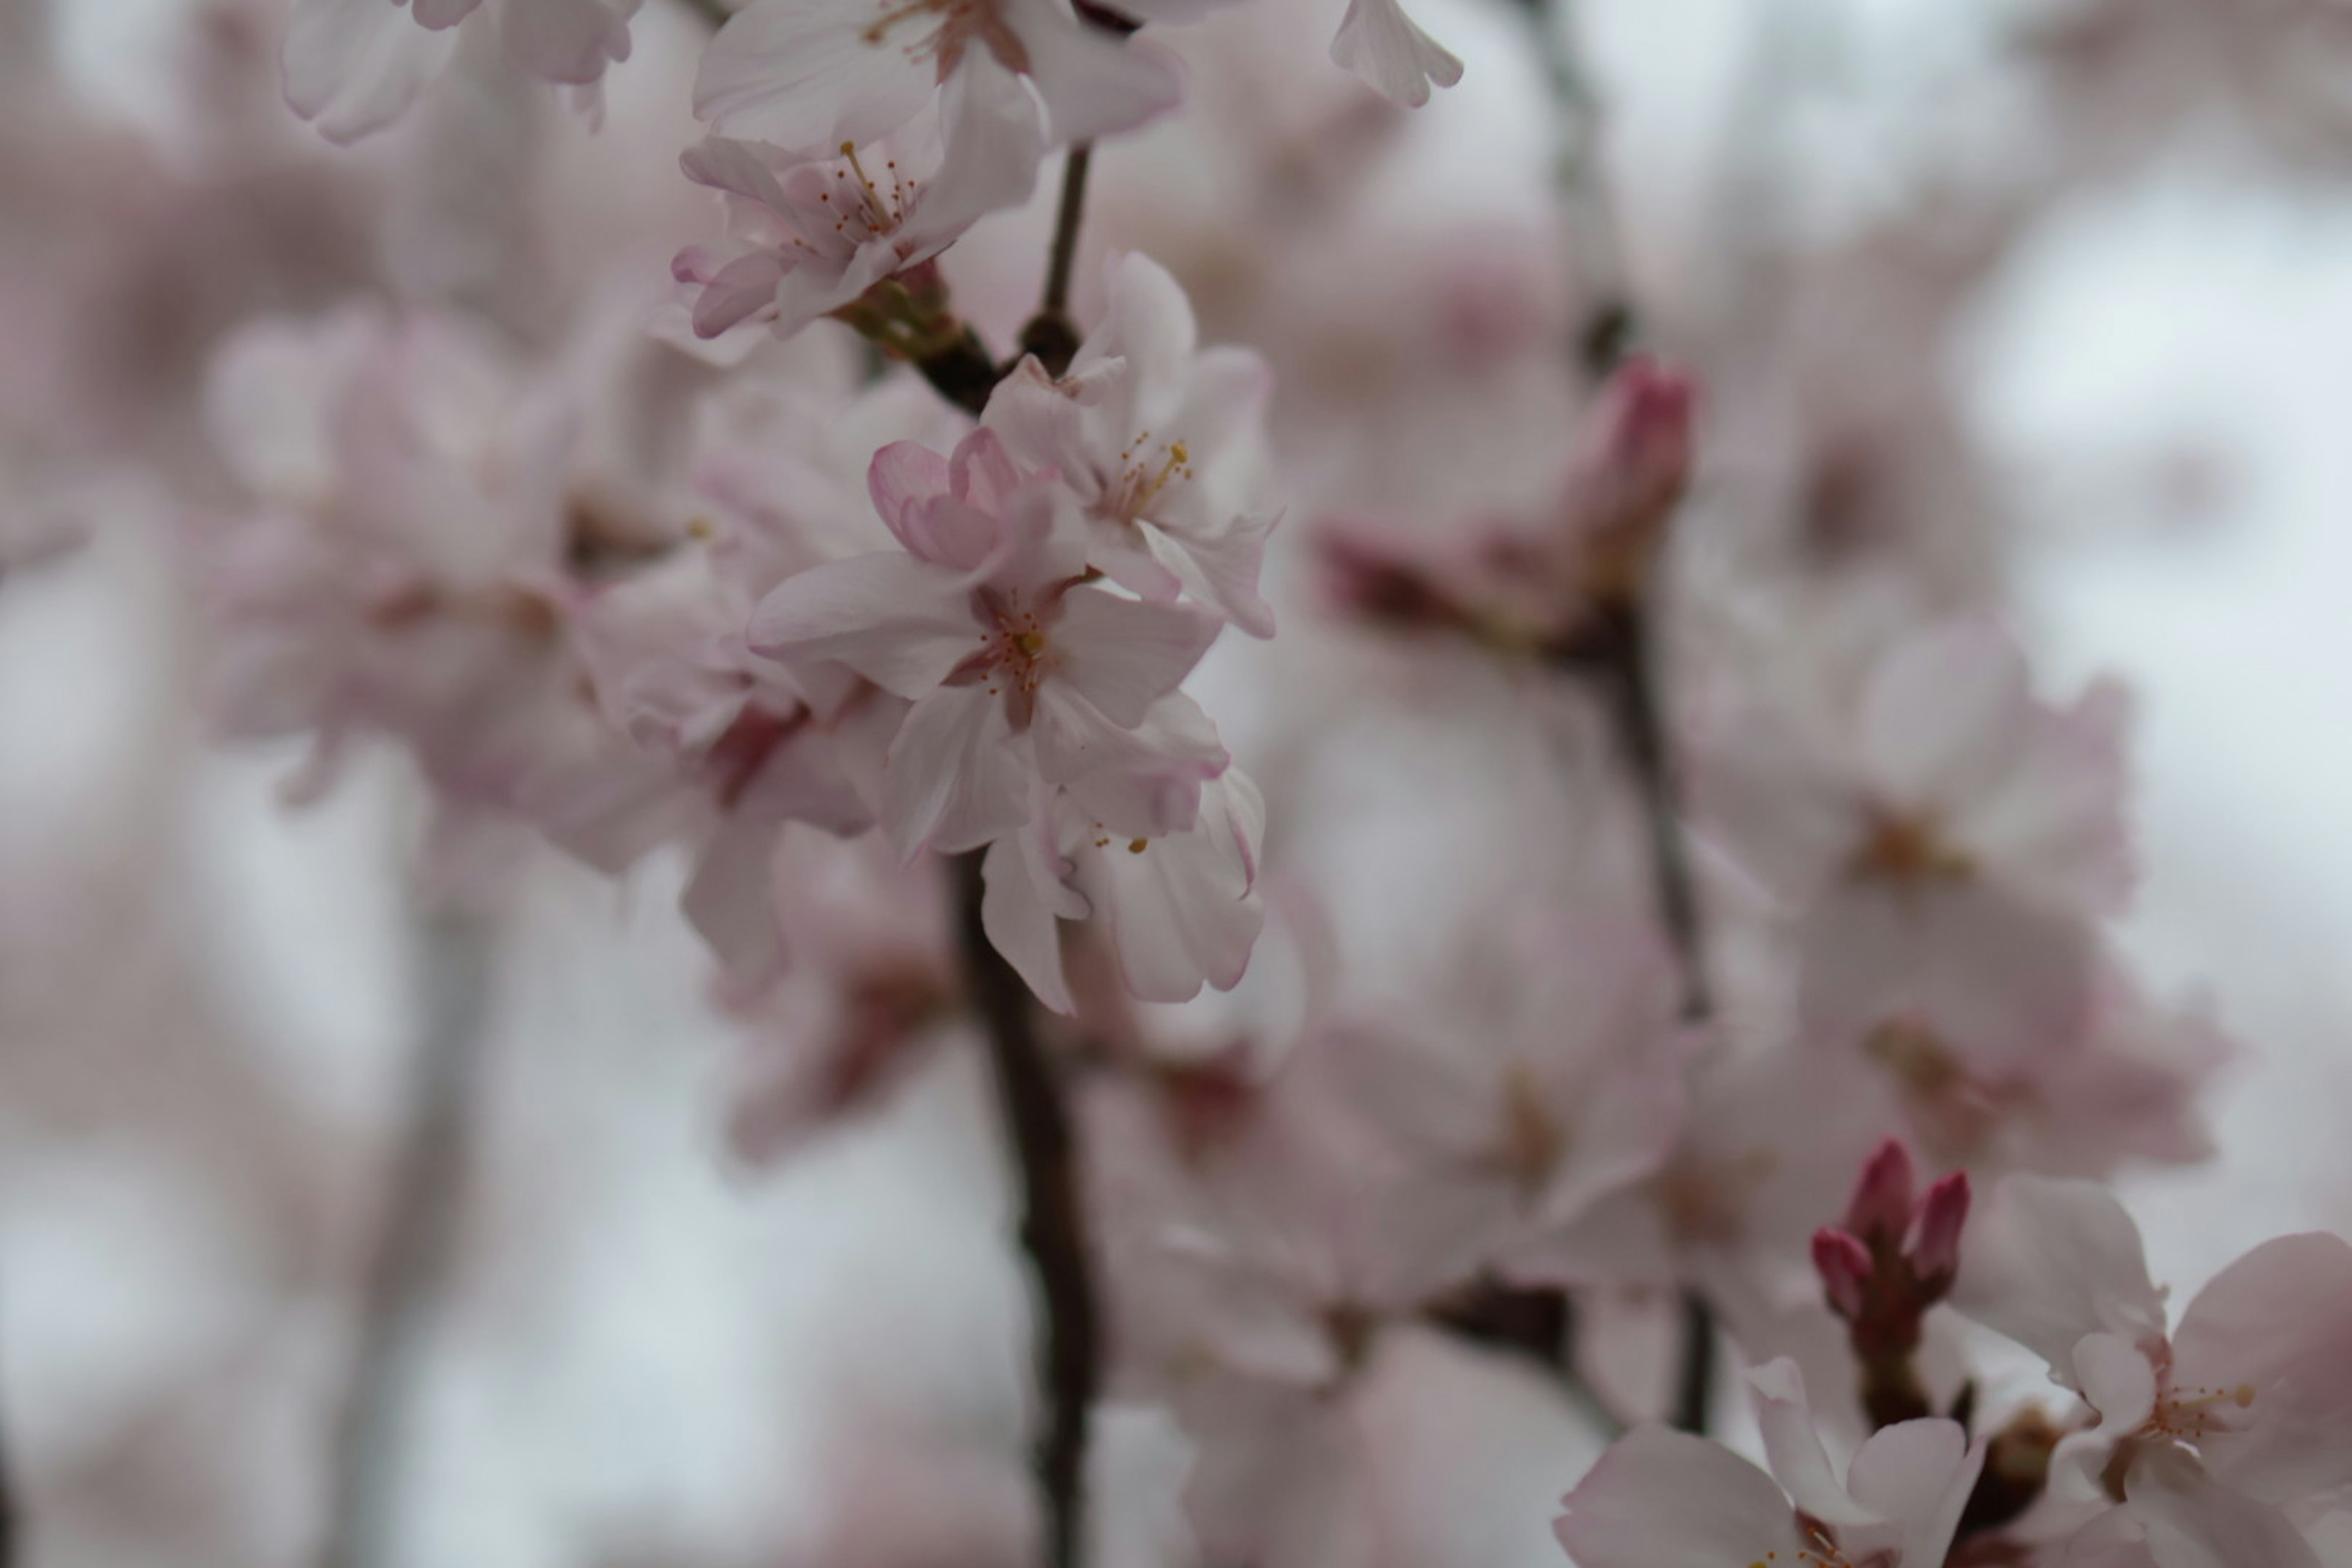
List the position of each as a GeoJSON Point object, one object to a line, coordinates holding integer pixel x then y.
{"type": "Point", "coordinates": [1122, 655]}
{"type": "Point", "coordinates": [1792, 1445]}
{"type": "Point", "coordinates": [730, 901]}
{"type": "Point", "coordinates": [901, 623]}
{"type": "Point", "coordinates": [1018, 915]}
{"type": "Point", "coordinates": [1663, 1498]}
{"type": "Point", "coordinates": [1181, 908]}
{"type": "Point", "coordinates": [1944, 713]}
{"type": "Point", "coordinates": [903, 473]}
{"type": "Point", "coordinates": [1092, 84]}
{"type": "Point", "coordinates": [2048, 1262]}
{"type": "Point", "coordinates": [354, 65]}
{"type": "Point", "coordinates": [1918, 1475]}
{"type": "Point", "coordinates": [995, 139]}
{"type": "Point", "coordinates": [809, 75]}
{"type": "Point", "coordinates": [2194, 1521]}
{"type": "Point", "coordinates": [1134, 783]}
{"type": "Point", "coordinates": [2278, 1323]}
{"type": "Point", "coordinates": [952, 780]}
{"type": "Point", "coordinates": [1382, 44]}
{"type": "Point", "coordinates": [2117, 1380]}
{"type": "Point", "coordinates": [565, 40]}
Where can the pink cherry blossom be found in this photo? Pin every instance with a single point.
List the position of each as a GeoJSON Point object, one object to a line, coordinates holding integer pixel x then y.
{"type": "Point", "coordinates": [1019, 671]}
{"type": "Point", "coordinates": [1162, 443]}
{"type": "Point", "coordinates": [1181, 907]}
{"type": "Point", "coordinates": [2245, 1405]}
{"type": "Point", "coordinates": [810, 233]}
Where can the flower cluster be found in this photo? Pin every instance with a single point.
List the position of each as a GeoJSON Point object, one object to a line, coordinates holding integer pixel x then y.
{"type": "Point", "coordinates": [1641, 945]}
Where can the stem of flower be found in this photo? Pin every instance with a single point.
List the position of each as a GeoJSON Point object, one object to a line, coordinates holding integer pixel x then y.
{"type": "Point", "coordinates": [1050, 335]}
{"type": "Point", "coordinates": [715, 12]}
{"type": "Point", "coordinates": [1052, 1218]}
{"type": "Point", "coordinates": [414, 1240]}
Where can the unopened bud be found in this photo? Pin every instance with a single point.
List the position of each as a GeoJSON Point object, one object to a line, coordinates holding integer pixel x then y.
{"type": "Point", "coordinates": [1845, 1265]}
{"type": "Point", "coordinates": [1880, 1212]}
{"type": "Point", "coordinates": [1936, 1248]}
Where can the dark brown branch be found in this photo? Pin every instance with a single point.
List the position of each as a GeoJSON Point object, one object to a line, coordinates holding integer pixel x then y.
{"type": "Point", "coordinates": [1051, 335]}
{"type": "Point", "coordinates": [1053, 1219]}
{"type": "Point", "coordinates": [1538, 1323]}
{"type": "Point", "coordinates": [414, 1243]}
{"type": "Point", "coordinates": [963, 372]}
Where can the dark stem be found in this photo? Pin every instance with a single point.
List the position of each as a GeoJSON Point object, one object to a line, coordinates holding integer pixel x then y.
{"type": "Point", "coordinates": [1695, 1382]}
{"type": "Point", "coordinates": [1050, 335]}
{"type": "Point", "coordinates": [1053, 1219]}
{"type": "Point", "coordinates": [1627, 669]}
{"type": "Point", "coordinates": [715, 12]}
{"type": "Point", "coordinates": [415, 1245]}
{"type": "Point", "coordinates": [1537, 1322]}
{"type": "Point", "coordinates": [962, 371]}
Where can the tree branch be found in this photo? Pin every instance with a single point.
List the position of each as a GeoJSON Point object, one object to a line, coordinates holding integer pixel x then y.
{"type": "Point", "coordinates": [1051, 335]}
{"type": "Point", "coordinates": [1053, 1219]}
{"type": "Point", "coordinates": [407, 1274]}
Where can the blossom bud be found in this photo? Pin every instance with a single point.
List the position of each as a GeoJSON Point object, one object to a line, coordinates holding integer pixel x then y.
{"type": "Point", "coordinates": [1880, 1212]}
{"type": "Point", "coordinates": [1845, 1265]}
{"type": "Point", "coordinates": [1936, 1247]}
{"type": "Point", "coordinates": [1629, 474]}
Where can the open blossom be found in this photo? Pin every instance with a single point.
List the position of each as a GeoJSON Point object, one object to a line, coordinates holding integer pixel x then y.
{"type": "Point", "coordinates": [1554, 1080]}
{"type": "Point", "coordinates": [1019, 672]}
{"type": "Point", "coordinates": [355, 66]}
{"type": "Point", "coordinates": [812, 74]}
{"type": "Point", "coordinates": [1163, 444]}
{"type": "Point", "coordinates": [401, 570]}
{"type": "Point", "coordinates": [808, 233]}
{"type": "Point", "coordinates": [1181, 907]}
{"type": "Point", "coordinates": [1659, 1496]}
{"type": "Point", "coordinates": [1943, 836]}
{"type": "Point", "coordinates": [2211, 1434]}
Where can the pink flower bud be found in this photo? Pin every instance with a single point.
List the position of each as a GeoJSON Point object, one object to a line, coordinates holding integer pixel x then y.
{"type": "Point", "coordinates": [1644, 448]}
{"type": "Point", "coordinates": [1880, 1213]}
{"type": "Point", "coordinates": [1936, 1250]}
{"type": "Point", "coordinates": [1844, 1264]}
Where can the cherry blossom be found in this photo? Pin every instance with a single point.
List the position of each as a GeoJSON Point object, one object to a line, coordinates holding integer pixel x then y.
{"type": "Point", "coordinates": [810, 233]}
{"type": "Point", "coordinates": [1181, 907]}
{"type": "Point", "coordinates": [1163, 444]}
{"type": "Point", "coordinates": [1018, 670]}
{"type": "Point", "coordinates": [2242, 1409]}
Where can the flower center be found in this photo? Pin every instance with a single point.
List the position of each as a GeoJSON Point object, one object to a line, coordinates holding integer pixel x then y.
{"type": "Point", "coordinates": [868, 208]}
{"type": "Point", "coordinates": [957, 23]}
{"type": "Point", "coordinates": [1145, 470]}
{"type": "Point", "coordinates": [2197, 1413]}
{"type": "Point", "coordinates": [1018, 654]}
{"type": "Point", "coordinates": [1906, 846]}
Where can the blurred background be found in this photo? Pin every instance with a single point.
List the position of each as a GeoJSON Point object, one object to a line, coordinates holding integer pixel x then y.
{"type": "Point", "coordinates": [2073, 278]}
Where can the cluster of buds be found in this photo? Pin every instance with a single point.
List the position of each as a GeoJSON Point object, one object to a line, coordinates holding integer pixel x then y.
{"type": "Point", "coordinates": [1893, 1255]}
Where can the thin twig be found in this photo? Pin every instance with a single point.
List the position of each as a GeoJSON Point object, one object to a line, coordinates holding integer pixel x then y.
{"type": "Point", "coordinates": [1066, 222]}
{"type": "Point", "coordinates": [1628, 657]}
{"type": "Point", "coordinates": [1694, 1381]}
{"type": "Point", "coordinates": [408, 1271]}
{"type": "Point", "coordinates": [1051, 335]}
{"type": "Point", "coordinates": [1053, 1219]}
